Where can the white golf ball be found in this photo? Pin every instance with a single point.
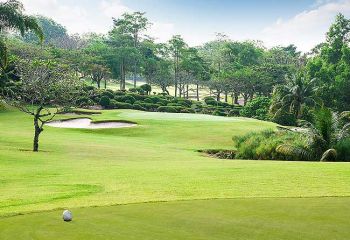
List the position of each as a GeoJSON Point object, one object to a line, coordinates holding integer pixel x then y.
{"type": "Point", "coordinates": [67, 216]}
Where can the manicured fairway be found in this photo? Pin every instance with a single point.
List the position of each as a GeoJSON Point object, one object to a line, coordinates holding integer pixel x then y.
{"type": "Point", "coordinates": [157, 161]}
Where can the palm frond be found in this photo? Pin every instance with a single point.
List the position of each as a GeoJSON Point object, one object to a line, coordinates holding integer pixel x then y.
{"type": "Point", "coordinates": [344, 132]}
{"type": "Point", "coordinates": [294, 151]}
{"type": "Point", "coordinates": [329, 155]}
{"type": "Point", "coordinates": [32, 24]}
{"type": "Point", "coordinates": [345, 115]}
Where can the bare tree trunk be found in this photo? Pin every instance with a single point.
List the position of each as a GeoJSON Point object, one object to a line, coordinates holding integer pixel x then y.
{"type": "Point", "coordinates": [218, 96]}
{"type": "Point", "coordinates": [197, 91]}
{"type": "Point", "coordinates": [134, 75]}
{"type": "Point", "coordinates": [122, 76]}
{"type": "Point", "coordinates": [236, 97]}
{"type": "Point", "coordinates": [226, 96]}
{"type": "Point", "coordinates": [37, 131]}
{"type": "Point", "coordinates": [187, 90]}
{"type": "Point", "coordinates": [246, 97]}
{"type": "Point", "coordinates": [164, 89]}
{"type": "Point", "coordinates": [105, 83]}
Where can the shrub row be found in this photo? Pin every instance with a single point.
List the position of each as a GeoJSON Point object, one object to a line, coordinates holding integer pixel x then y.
{"type": "Point", "coordinates": [156, 103]}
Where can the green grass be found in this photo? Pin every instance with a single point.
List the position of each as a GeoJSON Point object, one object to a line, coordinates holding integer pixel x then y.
{"type": "Point", "coordinates": [263, 219]}
{"type": "Point", "coordinates": [157, 161]}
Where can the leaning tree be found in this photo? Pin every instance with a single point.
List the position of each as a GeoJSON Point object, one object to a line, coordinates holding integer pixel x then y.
{"type": "Point", "coordinates": [46, 88]}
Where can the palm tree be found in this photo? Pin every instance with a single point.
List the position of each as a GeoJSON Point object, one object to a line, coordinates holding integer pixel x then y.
{"type": "Point", "coordinates": [294, 96]}
{"type": "Point", "coordinates": [329, 129]}
{"type": "Point", "coordinates": [12, 18]}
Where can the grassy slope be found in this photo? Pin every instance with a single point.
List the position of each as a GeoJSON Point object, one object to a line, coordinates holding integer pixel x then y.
{"type": "Point", "coordinates": [155, 161]}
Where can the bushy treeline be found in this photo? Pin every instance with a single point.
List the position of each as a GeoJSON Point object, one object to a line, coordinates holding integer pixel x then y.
{"type": "Point", "coordinates": [109, 99]}
{"type": "Point", "coordinates": [278, 84]}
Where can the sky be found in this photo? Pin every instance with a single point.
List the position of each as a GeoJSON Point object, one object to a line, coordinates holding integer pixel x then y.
{"type": "Point", "coordinates": [275, 22]}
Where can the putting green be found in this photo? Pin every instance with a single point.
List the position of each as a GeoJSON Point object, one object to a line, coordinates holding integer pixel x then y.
{"type": "Point", "coordinates": [212, 219]}
{"type": "Point", "coordinates": [154, 161]}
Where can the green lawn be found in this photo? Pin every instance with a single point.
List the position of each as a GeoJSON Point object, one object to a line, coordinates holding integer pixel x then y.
{"type": "Point", "coordinates": [157, 162]}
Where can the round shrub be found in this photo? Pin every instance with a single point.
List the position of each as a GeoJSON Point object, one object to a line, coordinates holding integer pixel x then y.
{"type": "Point", "coordinates": [343, 150]}
{"type": "Point", "coordinates": [187, 110]}
{"type": "Point", "coordinates": [210, 101]}
{"type": "Point", "coordinates": [139, 107]}
{"type": "Point", "coordinates": [119, 93]}
{"type": "Point", "coordinates": [185, 102]}
{"type": "Point", "coordinates": [167, 109]}
{"type": "Point", "coordinates": [122, 105]}
{"type": "Point", "coordinates": [126, 98]}
{"type": "Point", "coordinates": [234, 112]}
{"type": "Point", "coordinates": [284, 118]}
{"type": "Point", "coordinates": [105, 101]}
{"type": "Point", "coordinates": [88, 88]}
{"type": "Point", "coordinates": [108, 94]}
{"type": "Point", "coordinates": [146, 88]}
{"type": "Point", "coordinates": [257, 108]}
{"type": "Point", "coordinates": [219, 112]}
{"type": "Point", "coordinates": [83, 102]}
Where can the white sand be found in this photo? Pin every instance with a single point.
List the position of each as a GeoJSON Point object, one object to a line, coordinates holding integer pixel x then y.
{"type": "Point", "coordinates": [85, 123]}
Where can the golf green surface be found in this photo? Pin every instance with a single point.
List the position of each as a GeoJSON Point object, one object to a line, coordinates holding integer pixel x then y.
{"type": "Point", "coordinates": [149, 182]}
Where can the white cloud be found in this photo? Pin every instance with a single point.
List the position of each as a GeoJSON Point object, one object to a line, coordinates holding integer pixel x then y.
{"type": "Point", "coordinates": [79, 18]}
{"type": "Point", "coordinates": [98, 18]}
{"type": "Point", "coordinates": [307, 28]}
{"type": "Point", "coordinates": [113, 8]}
{"type": "Point", "coordinates": [162, 32]}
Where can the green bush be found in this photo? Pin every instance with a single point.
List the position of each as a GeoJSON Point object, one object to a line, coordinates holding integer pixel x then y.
{"type": "Point", "coordinates": [262, 145]}
{"type": "Point", "coordinates": [119, 93]}
{"type": "Point", "coordinates": [234, 112]}
{"type": "Point", "coordinates": [2, 106]}
{"type": "Point", "coordinates": [133, 90]}
{"type": "Point", "coordinates": [184, 102]}
{"type": "Point", "coordinates": [284, 118]}
{"type": "Point", "coordinates": [83, 102]}
{"type": "Point", "coordinates": [187, 110]}
{"type": "Point", "coordinates": [257, 108]}
{"type": "Point", "coordinates": [167, 109]}
{"type": "Point", "coordinates": [108, 94]}
{"type": "Point", "coordinates": [139, 107]}
{"type": "Point", "coordinates": [210, 101]}
{"type": "Point", "coordinates": [122, 105]}
{"type": "Point", "coordinates": [219, 112]}
{"type": "Point", "coordinates": [88, 88]}
{"type": "Point", "coordinates": [343, 150]}
{"type": "Point", "coordinates": [146, 88]}
{"type": "Point", "coordinates": [138, 97]}
{"type": "Point", "coordinates": [126, 99]}
{"type": "Point", "coordinates": [105, 101]}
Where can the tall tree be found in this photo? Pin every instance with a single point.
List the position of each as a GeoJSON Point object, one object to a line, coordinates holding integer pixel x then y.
{"type": "Point", "coordinates": [134, 25]}
{"type": "Point", "coordinates": [176, 47]}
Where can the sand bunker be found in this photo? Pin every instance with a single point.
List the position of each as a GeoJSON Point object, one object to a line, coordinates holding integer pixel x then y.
{"type": "Point", "coordinates": [85, 123]}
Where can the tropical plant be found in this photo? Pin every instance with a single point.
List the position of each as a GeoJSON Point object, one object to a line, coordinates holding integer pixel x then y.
{"type": "Point", "coordinates": [328, 130]}
{"type": "Point", "coordinates": [12, 18]}
{"type": "Point", "coordinates": [294, 96]}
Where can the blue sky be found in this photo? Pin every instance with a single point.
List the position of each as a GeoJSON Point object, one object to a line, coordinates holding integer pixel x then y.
{"type": "Point", "coordinates": [301, 22]}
